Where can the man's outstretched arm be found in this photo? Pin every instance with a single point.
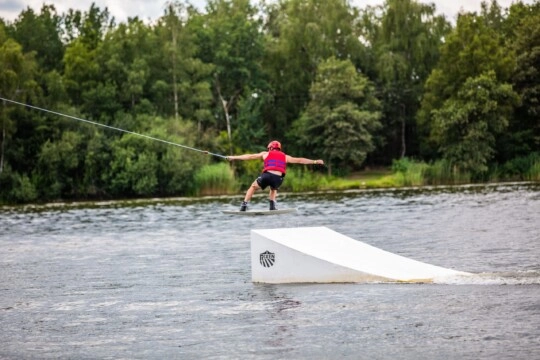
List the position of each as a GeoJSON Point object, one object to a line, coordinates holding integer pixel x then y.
{"type": "Point", "coordinates": [246, 156]}
{"type": "Point", "coordinates": [305, 161]}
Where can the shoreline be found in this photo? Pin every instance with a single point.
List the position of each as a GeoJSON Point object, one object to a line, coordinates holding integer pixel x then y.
{"type": "Point", "coordinates": [190, 199]}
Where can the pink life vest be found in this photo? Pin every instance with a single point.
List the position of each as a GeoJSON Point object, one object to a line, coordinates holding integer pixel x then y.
{"type": "Point", "coordinates": [276, 160]}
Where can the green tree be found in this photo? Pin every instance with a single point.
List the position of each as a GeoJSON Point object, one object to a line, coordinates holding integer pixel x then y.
{"type": "Point", "coordinates": [133, 168]}
{"type": "Point", "coordinates": [249, 132]}
{"type": "Point", "coordinates": [492, 14]}
{"type": "Point", "coordinates": [467, 125]}
{"type": "Point", "coordinates": [405, 36]}
{"type": "Point", "coordinates": [81, 68]}
{"type": "Point", "coordinates": [125, 57]}
{"type": "Point", "coordinates": [230, 38]}
{"type": "Point", "coordinates": [97, 158]}
{"type": "Point", "coordinates": [188, 80]}
{"type": "Point", "coordinates": [177, 167]}
{"type": "Point", "coordinates": [300, 35]}
{"type": "Point", "coordinates": [524, 135]}
{"type": "Point", "coordinates": [60, 167]}
{"type": "Point", "coordinates": [42, 34]}
{"type": "Point", "coordinates": [148, 168]}
{"type": "Point", "coordinates": [339, 122]}
{"type": "Point", "coordinates": [89, 27]}
{"type": "Point", "coordinates": [470, 50]}
{"type": "Point", "coordinates": [515, 15]}
{"type": "Point", "coordinates": [17, 82]}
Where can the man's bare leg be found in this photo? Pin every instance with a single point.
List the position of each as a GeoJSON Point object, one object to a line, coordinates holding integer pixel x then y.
{"type": "Point", "coordinates": [249, 194]}
{"type": "Point", "coordinates": [251, 191]}
{"type": "Point", "coordinates": [272, 199]}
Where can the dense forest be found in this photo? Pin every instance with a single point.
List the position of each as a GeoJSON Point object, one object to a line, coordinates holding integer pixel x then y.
{"type": "Point", "coordinates": [356, 87]}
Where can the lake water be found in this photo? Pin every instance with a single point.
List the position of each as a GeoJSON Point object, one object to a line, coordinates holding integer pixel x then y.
{"type": "Point", "coordinates": [171, 279]}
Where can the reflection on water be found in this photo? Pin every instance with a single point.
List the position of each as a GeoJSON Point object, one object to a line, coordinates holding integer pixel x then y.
{"type": "Point", "coordinates": [172, 279]}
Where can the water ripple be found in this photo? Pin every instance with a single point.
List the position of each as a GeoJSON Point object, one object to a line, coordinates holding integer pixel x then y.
{"type": "Point", "coordinates": [171, 278]}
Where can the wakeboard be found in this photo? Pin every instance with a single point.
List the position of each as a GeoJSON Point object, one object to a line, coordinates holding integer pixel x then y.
{"type": "Point", "coordinates": [259, 212]}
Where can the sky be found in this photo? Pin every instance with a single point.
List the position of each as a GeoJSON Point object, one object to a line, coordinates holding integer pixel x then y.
{"type": "Point", "coordinates": [153, 9]}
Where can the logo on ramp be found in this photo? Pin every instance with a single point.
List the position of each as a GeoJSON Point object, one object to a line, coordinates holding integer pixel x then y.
{"type": "Point", "coordinates": [267, 258]}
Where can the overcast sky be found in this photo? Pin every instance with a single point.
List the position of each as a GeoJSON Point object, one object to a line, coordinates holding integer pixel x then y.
{"type": "Point", "coordinates": [153, 9]}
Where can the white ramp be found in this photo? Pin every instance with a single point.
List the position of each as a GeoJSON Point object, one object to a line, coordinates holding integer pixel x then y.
{"type": "Point", "coordinates": [321, 255]}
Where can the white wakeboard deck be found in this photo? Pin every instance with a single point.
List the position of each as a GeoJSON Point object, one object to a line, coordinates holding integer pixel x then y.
{"type": "Point", "coordinates": [259, 212]}
{"type": "Point", "coordinates": [321, 255]}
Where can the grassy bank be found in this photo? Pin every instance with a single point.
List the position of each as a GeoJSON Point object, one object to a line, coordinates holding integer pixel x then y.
{"type": "Point", "coordinates": [220, 179]}
{"type": "Point", "coordinates": [406, 172]}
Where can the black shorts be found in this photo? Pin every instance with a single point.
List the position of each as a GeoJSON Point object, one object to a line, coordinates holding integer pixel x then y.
{"type": "Point", "coordinates": [269, 179]}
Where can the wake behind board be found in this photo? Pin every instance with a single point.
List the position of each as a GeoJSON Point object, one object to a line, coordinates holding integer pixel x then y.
{"type": "Point", "coordinates": [259, 212]}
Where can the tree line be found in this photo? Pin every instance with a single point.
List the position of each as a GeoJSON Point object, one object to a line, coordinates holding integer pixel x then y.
{"type": "Point", "coordinates": [355, 86]}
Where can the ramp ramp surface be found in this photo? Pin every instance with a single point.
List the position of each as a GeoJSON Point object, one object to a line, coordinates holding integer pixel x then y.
{"type": "Point", "coordinates": [321, 255]}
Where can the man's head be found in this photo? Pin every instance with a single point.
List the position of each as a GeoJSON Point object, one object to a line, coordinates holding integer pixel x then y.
{"type": "Point", "coordinates": [274, 145]}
